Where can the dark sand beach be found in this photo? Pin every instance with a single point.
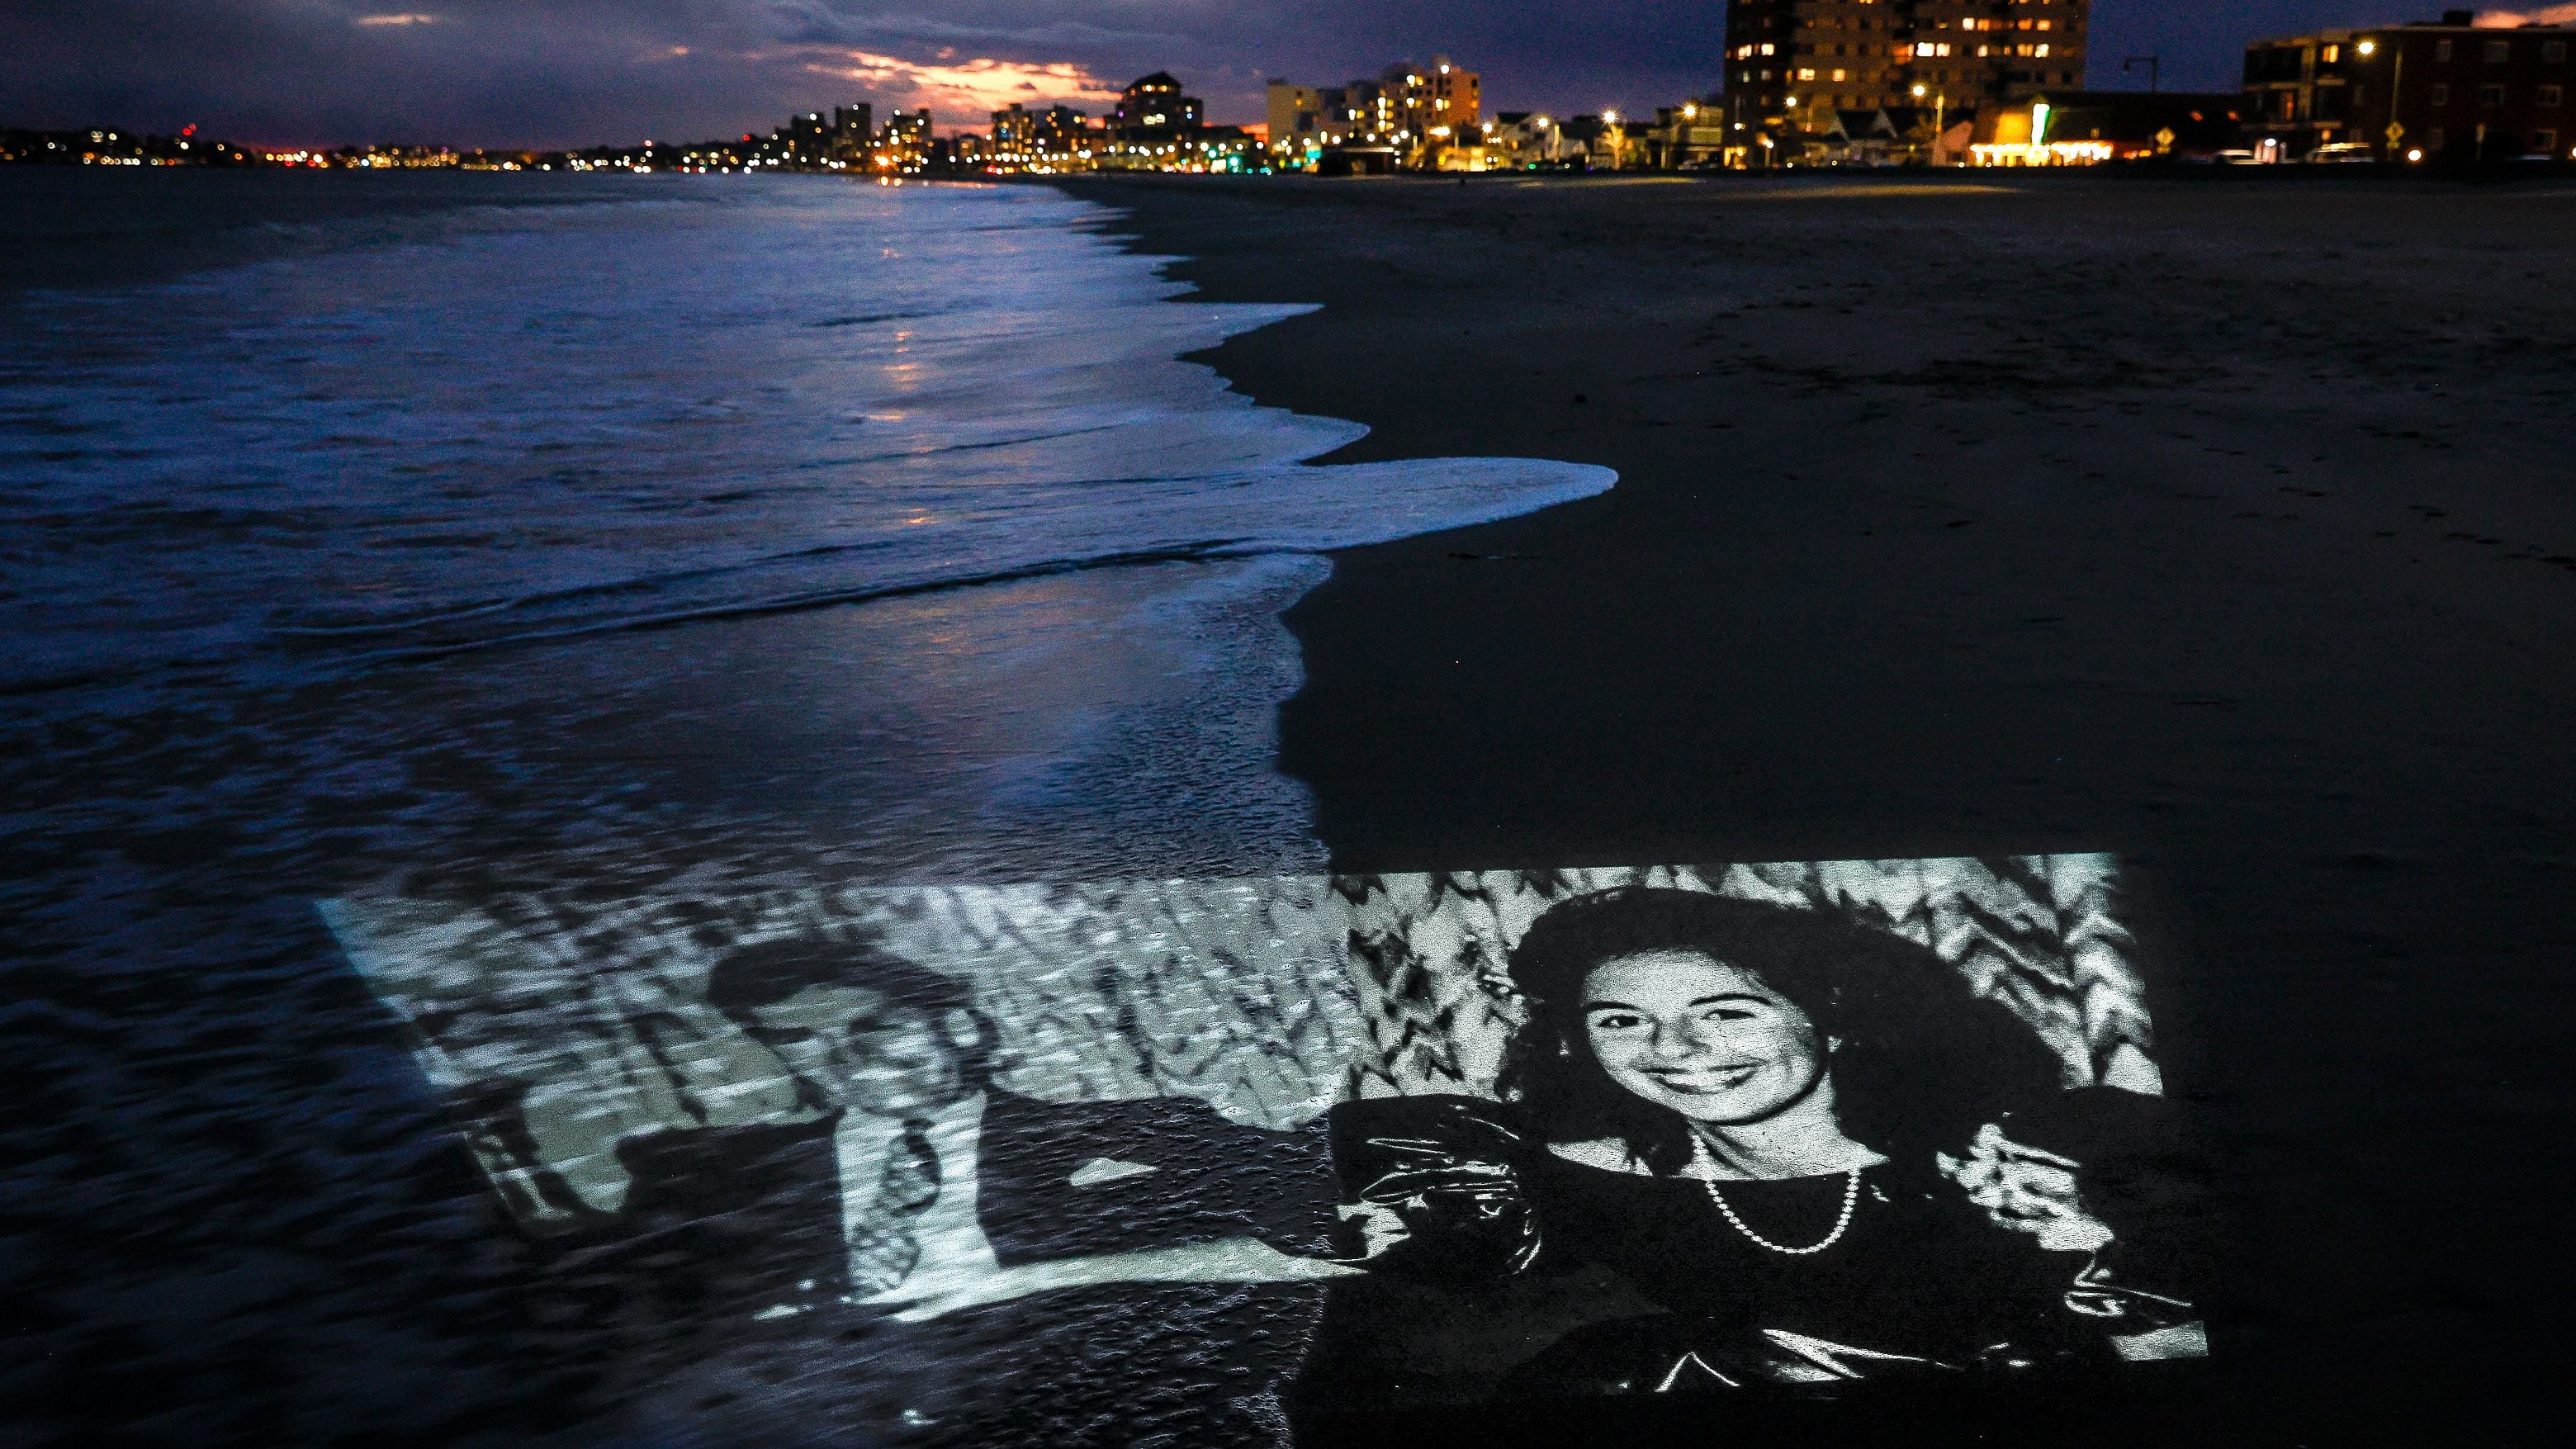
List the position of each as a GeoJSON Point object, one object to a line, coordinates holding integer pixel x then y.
{"type": "Point", "coordinates": [2224, 522]}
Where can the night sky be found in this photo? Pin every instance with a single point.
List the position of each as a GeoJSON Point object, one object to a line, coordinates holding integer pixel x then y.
{"type": "Point", "coordinates": [567, 72]}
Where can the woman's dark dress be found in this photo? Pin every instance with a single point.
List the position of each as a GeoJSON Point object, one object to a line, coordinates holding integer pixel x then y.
{"type": "Point", "coordinates": [1921, 1282]}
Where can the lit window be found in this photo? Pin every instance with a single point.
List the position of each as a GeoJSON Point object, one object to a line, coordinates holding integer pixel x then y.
{"type": "Point", "coordinates": [1769, 49]}
{"type": "Point", "coordinates": [1841, 75]}
{"type": "Point", "coordinates": [1806, 73]}
{"type": "Point", "coordinates": [2332, 54]}
{"type": "Point", "coordinates": [2040, 49]}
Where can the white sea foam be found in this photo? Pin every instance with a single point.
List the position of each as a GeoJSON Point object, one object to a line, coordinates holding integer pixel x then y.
{"type": "Point", "coordinates": [959, 411]}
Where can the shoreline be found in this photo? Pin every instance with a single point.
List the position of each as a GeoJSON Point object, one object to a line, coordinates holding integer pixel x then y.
{"type": "Point", "coordinates": [2216, 527]}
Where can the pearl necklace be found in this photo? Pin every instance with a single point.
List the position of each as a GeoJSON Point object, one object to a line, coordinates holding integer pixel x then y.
{"type": "Point", "coordinates": [1707, 1164]}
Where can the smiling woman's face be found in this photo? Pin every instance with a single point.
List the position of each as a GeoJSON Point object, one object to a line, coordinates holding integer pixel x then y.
{"type": "Point", "coordinates": [1709, 1041]}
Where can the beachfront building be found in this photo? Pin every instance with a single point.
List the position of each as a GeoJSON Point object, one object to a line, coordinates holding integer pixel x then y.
{"type": "Point", "coordinates": [2081, 128]}
{"type": "Point", "coordinates": [1155, 106]}
{"type": "Point", "coordinates": [1012, 144]}
{"type": "Point", "coordinates": [1527, 141]}
{"type": "Point", "coordinates": [1058, 138]}
{"type": "Point", "coordinates": [1294, 115]}
{"type": "Point", "coordinates": [853, 133]}
{"type": "Point", "coordinates": [1794, 66]}
{"type": "Point", "coordinates": [904, 147]}
{"type": "Point", "coordinates": [1689, 136]}
{"type": "Point", "coordinates": [1065, 139]}
{"type": "Point", "coordinates": [1428, 116]}
{"type": "Point", "coordinates": [2456, 90]}
{"type": "Point", "coordinates": [1156, 127]}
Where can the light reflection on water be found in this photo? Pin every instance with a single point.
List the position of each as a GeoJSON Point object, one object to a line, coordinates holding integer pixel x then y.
{"type": "Point", "coordinates": [266, 485]}
{"type": "Point", "coordinates": [501, 557]}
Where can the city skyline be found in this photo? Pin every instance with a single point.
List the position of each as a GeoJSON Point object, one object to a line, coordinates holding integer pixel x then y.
{"type": "Point", "coordinates": [551, 73]}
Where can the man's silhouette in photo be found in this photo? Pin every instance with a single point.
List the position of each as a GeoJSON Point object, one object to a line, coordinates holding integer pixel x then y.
{"type": "Point", "coordinates": [924, 1191]}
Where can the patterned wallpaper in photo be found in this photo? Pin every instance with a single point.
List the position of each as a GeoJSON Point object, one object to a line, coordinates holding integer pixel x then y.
{"type": "Point", "coordinates": [560, 1028]}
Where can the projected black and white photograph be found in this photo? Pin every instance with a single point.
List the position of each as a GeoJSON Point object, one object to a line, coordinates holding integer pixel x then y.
{"type": "Point", "coordinates": [1205, 1158]}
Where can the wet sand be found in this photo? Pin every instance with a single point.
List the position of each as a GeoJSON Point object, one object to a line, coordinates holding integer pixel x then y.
{"type": "Point", "coordinates": [2226, 522]}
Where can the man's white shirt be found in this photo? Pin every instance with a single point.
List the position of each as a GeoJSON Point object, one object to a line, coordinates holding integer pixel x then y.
{"type": "Point", "coordinates": [954, 1250]}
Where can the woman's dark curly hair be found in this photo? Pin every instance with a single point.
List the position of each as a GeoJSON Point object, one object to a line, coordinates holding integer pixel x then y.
{"type": "Point", "coordinates": [1922, 1062]}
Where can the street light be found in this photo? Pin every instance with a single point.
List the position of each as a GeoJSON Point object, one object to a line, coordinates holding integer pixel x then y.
{"type": "Point", "coordinates": [1940, 107]}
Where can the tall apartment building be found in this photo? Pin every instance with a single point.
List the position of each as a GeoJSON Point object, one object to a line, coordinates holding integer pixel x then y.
{"type": "Point", "coordinates": [1456, 99]}
{"type": "Point", "coordinates": [809, 137]}
{"type": "Point", "coordinates": [1295, 116]}
{"type": "Point", "coordinates": [905, 144]}
{"type": "Point", "coordinates": [1793, 63]}
{"type": "Point", "coordinates": [854, 132]}
{"type": "Point", "coordinates": [2419, 91]}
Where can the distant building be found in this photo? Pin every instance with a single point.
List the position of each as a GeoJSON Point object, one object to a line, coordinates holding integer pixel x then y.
{"type": "Point", "coordinates": [1065, 136]}
{"type": "Point", "coordinates": [2077, 127]}
{"type": "Point", "coordinates": [1692, 134]}
{"type": "Point", "coordinates": [2422, 91]}
{"type": "Point", "coordinates": [1793, 66]}
{"type": "Point", "coordinates": [1871, 137]}
{"type": "Point", "coordinates": [1013, 137]}
{"type": "Point", "coordinates": [1457, 95]}
{"type": "Point", "coordinates": [1058, 138]}
{"type": "Point", "coordinates": [854, 133]}
{"type": "Point", "coordinates": [1522, 140]}
{"type": "Point", "coordinates": [1422, 113]}
{"type": "Point", "coordinates": [1294, 116]}
{"type": "Point", "coordinates": [809, 138]}
{"type": "Point", "coordinates": [905, 147]}
{"type": "Point", "coordinates": [1611, 143]}
{"type": "Point", "coordinates": [1156, 127]}
{"type": "Point", "coordinates": [1155, 107]}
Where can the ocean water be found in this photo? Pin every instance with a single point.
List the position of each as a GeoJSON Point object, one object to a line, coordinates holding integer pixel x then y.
{"type": "Point", "coordinates": [707, 404]}
{"type": "Point", "coordinates": [646, 535]}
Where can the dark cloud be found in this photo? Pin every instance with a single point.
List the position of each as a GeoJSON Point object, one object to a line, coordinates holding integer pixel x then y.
{"type": "Point", "coordinates": [542, 72]}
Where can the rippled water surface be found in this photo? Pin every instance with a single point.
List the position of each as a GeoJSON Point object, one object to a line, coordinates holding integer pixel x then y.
{"type": "Point", "coordinates": [639, 535]}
